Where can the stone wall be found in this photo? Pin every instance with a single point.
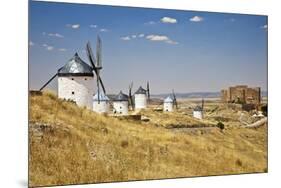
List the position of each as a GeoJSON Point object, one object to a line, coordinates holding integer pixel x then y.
{"type": "Point", "coordinates": [241, 94]}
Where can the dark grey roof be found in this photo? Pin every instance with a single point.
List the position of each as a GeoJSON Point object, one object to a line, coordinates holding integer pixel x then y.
{"type": "Point", "coordinates": [101, 97]}
{"type": "Point", "coordinates": [76, 67]}
{"type": "Point", "coordinates": [121, 97]}
{"type": "Point", "coordinates": [198, 108]}
{"type": "Point", "coordinates": [140, 91]}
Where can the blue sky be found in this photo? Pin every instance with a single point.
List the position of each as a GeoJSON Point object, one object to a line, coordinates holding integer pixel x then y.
{"type": "Point", "coordinates": [183, 50]}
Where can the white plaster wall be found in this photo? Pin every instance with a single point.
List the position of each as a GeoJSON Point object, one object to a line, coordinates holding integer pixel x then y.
{"type": "Point", "coordinates": [120, 107]}
{"type": "Point", "coordinates": [102, 107]}
{"type": "Point", "coordinates": [83, 88]}
{"type": "Point", "coordinates": [198, 114]}
{"type": "Point", "coordinates": [168, 107]}
{"type": "Point", "coordinates": [140, 101]}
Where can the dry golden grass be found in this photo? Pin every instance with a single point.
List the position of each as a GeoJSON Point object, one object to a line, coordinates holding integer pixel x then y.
{"type": "Point", "coordinates": [79, 146]}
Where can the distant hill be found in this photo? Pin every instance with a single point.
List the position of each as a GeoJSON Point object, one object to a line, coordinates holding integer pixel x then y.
{"type": "Point", "coordinates": [197, 95]}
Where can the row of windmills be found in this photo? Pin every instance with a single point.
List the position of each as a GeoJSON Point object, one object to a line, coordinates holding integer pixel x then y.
{"type": "Point", "coordinates": [76, 83]}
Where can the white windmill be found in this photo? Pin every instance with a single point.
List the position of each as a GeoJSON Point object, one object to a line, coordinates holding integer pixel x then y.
{"type": "Point", "coordinates": [198, 111]}
{"type": "Point", "coordinates": [76, 78]}
{"type": "Point", "coordinates": [75, 82]}
{"type": "Point", "coordinates": [168, 104]}
{"type": "Point", "coordinates": [120, 104]}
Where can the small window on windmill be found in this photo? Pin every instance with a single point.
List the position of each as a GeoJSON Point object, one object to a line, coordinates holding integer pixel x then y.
{"type": "Point", "coordinates": [72, 78]}
{"type": "Point", "coordinates": [72, 92]}
{"type": "Point", "coordinates": [85, 78]}
{"type": "Point", "coordinates": [120, 107]}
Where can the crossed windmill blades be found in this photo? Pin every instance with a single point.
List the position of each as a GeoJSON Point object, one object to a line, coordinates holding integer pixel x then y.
{"type": "Point", "coordinates": [96, 64]}
{"type": "Point", "coordinates": [175, 99]}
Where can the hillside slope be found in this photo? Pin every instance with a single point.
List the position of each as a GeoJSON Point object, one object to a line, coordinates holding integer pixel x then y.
{"type": "Point", "coordinates": [71, 145]}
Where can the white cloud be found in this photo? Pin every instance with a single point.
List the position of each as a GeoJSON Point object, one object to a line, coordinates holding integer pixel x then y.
{"type": "Point", "coordinates": [157, 37]}
{"type": "Point", "coordinates": [49, 48]}
{"type": "Point", "coordinates": [196, 19]}
{"type": "Point", "coordinates": [103, 30]}
{"type": "Point", "coordinates": [131, 37]}
{"type": "Point", "coordinates": [93, 26]}
{"type": "Point", "coordinates": [126, 38]}
{"type": "Point", "coordinates": [62, 49]}
{"type": "Point", "coordinates": [31, 43]}
{"type": "Point", "coordinates": [43, 33]}
{"type": "Point", "coordinates": [168, 20]}
{"type": "Point", "coordinates": [160, 38]}
{"type": "Point", "coordinates": [73, 26]}
{"type": "Point", "coordinates": [232, 20]}
{"type": "Point", "coordinates": [55, 35]}
{"type": "Point", "coordinates": [264, 26]}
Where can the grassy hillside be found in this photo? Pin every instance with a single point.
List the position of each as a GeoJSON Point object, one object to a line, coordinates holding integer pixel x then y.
{"type": "Point", "coordinates": [71, 145]}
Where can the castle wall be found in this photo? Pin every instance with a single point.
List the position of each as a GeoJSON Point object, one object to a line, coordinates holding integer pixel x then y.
{"type": "Point", "coordinates": [242, 94]}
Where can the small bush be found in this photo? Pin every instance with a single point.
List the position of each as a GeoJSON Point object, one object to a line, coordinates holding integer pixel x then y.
{"type": "Point", "coordinates": [238, 162]}
{"type": "Point", "coordinates": [124, 143]}
{"type": "Point", "coordinates": [220, 125]}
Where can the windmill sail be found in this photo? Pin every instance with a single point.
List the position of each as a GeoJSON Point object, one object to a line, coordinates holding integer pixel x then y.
{"type": "Point", "coordinates": [131, 102]}
{"type": "Point", "coordinates": [98, 64]}
{"type": "Point", "coordinates": [91, 56]}
{"type": "Point", "coordinates": [175, 100]}
{"type": "Point", "coordinates": [148, 91]}
{"type": "Point", "coordinates": [93, 62]}
{"type": "Point", "coordinates": [99, 46]}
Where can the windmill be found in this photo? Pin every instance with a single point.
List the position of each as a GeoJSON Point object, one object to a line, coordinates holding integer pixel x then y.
{"type": "Point", "coordinates": [131, 102]}
{"type": "Point", "coordinates": [148, 91]}
{"type": "Point", "coordinates": [175, 100]}
{"type": "Point", "coordinates": [202, 104]}
{"type": "Point", "coordinates": [96, 64]}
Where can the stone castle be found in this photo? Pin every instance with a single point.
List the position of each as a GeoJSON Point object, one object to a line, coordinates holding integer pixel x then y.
{"type": "Point", "coordinates": [241, 94]}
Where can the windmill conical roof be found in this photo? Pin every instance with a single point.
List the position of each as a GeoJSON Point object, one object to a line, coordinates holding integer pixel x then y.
{"type": "Point", "coordinates": [140, 91]}
{"type": "Point", "coordinates": [121, 97]}
{"type": "Point", "coordinates": [76, 67]}
{"type": "Point", "coordinates": [197, 108]}
{"type": "Point", "coordinates": [101, 97]}
{"type": "Point", "coordinates": [168, 99]}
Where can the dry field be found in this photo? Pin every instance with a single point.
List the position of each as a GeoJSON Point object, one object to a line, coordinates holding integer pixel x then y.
{"type": "Point", "coordinates": [72, 145]}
